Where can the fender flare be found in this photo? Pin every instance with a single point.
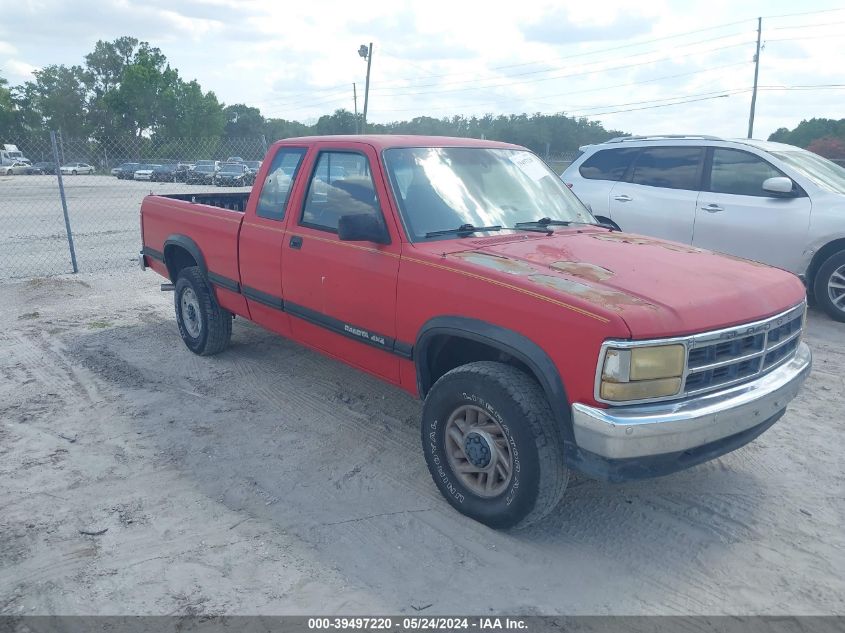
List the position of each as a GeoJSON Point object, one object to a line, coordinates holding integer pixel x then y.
{"type": "Point", "coordinates": [512, 343]}
{"type": "Point", "coordinates": [183, 241]}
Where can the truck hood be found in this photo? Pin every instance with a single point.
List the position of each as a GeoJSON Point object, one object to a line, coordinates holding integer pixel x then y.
{"type": "Point", "coordinates": [658, 288]}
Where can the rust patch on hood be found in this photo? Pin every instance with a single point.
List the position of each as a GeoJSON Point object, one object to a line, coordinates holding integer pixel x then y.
{"type": "Point", "coordinates": [645, 241]}
{"type": "Point", "coordinates": [502, 264]}
{"type": "Point", "coordinates": [605, 297]}
{"type": "Point", "coordinates": [590, 272]}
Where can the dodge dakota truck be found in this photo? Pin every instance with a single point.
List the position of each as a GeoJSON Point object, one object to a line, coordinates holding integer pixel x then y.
{"type": "Point", "coordinates": [466, 273]}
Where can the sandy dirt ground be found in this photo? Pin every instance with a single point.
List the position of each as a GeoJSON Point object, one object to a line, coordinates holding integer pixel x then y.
{"type": "Point", "coordinates": [272, 480]}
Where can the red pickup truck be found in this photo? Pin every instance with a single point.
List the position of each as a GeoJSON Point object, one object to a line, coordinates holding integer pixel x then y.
{"type": "Point", "coordinates": [466, 273]}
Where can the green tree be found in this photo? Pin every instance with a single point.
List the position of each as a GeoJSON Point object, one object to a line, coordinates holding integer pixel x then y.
{"type": "Point", "coordinates": [810, 130]}
{"type": "Point", "coordinates": [58, 99]}
{"type": "Point", "coordinates": [8, 112]}
{"type": "Point", "coordinates": [190, 113]}
{"type": "Point", "coordinates": [243, 121]}
{"type": "Point", "coordinates": [341, 122]}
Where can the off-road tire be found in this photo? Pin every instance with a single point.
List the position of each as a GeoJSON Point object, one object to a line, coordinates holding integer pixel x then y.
{"type": "Point", "coordinates": [215, 322]}
{"type": "Point", "coordinates": [820, 285]}
{"type": "Point", "coordinates": [515, 401]}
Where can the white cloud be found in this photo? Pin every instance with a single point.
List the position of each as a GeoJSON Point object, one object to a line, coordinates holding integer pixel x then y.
{"type": "Point", "coordinates": [442, 57]}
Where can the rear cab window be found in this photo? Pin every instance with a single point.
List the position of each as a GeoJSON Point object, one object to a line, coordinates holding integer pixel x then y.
{"type": "Point", "coordinates": [277, 185]}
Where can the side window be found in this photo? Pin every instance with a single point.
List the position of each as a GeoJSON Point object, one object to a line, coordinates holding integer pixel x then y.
{"type": "Point", "coordinates": [740, 173]}
{"type": "Point", "coordinates": [340, 185]}
{"type": "Point", "coordinates": [668, 167]}
{"type": "Point", "coordinates": [608, 164]}
{"type": "Point", "coordinates": [277, 185]}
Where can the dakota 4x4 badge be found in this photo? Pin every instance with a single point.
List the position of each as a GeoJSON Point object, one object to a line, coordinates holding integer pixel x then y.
{"type": "Point", "coordinates": [375, 338]}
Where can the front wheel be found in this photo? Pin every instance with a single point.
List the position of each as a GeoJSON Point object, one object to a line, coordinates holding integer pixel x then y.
{"type": "Point", "coordinates": [492, 445]}
{"type": "Point", "coordinates": [829, 286]}
{"type": "Point", "coordinates": [205, 327]}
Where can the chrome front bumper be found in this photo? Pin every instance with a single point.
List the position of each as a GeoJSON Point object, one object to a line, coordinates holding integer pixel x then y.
{"type": "Point", "coordinates": [670, 427]}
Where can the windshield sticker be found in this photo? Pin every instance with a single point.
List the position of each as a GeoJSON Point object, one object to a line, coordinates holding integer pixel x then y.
{"type": "Point", "coordinates": [530, 165]}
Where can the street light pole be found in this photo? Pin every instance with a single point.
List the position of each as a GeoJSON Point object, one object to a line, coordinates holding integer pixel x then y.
{"type": "Point", "coordinates": [756, 74]}
{"type": "Point", "coordinates": [366, 53]}
{"type": "Point", "coordinates": [355, 99]}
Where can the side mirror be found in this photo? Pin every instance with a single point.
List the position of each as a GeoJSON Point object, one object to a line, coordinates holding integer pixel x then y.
{"type": "Point", "coordinates": [361, 227]}
{"type": "Point", "coordinates": [779, 185]}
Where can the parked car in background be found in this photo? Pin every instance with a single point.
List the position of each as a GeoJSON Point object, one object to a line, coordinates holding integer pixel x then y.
{"type": "Point", "coordinates": [201, 175]}
{"type": "Point", "coordinates": [16, 167]}
{"type": "Point", "coordinates": [144, 172]}
{"type": "Point", "coordinates": [171, 172]}
{"type": "Point", "coordinates": [234, 159]}
{"type": "Point", "coordinates": [75, 169]}
{"type": "Point", "coordinates": [44, 167]}
{"type": "Point", "coordinates": [213, 163]}
{"type": "Point", "coordinates": [254, 165]}
{"type": "Point", "coordinates": [234, 175]}
{"type": "Point", "coordinates": [768, 202]}
{"type": "Point", "coordinates": [126, 171]}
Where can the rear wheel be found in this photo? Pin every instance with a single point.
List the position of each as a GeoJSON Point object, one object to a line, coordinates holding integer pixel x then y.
{"type": "Point", "coordinates": [492, 445]}
{"type": "Point", "coordinates": [205, 327]}
{"type": "Point", "coordinates": [829, 286]}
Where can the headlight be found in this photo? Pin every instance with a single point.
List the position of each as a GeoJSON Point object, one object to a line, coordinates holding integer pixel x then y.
{"type": "Point", "coordinates": [641, 373]}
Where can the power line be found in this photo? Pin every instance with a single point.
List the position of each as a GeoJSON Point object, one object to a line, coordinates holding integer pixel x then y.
{"type": "Point", "coordinates": [565, 76]}
{"type": "Point", "coordinates": [806, 26]}
{"type": "Point", "coordinates": [595, 52]}
{"type": "Point", "coordinates": [792, 15]}
{"type": "Point", "coordinates": [630, 45]}
{"type": "Point", "coordinates": [575, 92]}
{"type": "Point", "coordinates": [550, 70]}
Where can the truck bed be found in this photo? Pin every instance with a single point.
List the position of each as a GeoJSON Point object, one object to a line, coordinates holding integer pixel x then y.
{"type": "Point", "coordinates": [231, 200]}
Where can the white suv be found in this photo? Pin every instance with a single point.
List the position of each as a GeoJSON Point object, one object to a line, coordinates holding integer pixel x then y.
{"type": "Point", "coordinates": [769, 202]}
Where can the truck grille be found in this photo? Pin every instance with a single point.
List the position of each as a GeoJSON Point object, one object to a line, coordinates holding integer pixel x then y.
{"type": "Point", "coordinates": [734, 355]}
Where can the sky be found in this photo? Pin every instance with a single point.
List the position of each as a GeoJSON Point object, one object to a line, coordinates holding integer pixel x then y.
{"type": "Point", "coordinates": [659, 67]}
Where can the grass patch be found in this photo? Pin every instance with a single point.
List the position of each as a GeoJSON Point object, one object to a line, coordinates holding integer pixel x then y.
{"type": "Point", "coordinates": [29, 315]}
{"type": "Point", "coordinates": [99, 325]}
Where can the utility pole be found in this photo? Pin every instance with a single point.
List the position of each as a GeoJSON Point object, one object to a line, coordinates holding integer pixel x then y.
{"type": "Point", "coordinates": [355, 98]}
{"type": "Point", "coordinates": [366, 53]}
{"type": "Point", "coordinates": [756, 74]}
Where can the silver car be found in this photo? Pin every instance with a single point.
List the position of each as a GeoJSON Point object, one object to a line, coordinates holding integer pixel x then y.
{"type": "Point", "coordinates": [768, 202]}
{"type": "Point", "coordinates": [77, 168]}
{"type": "Point", "coordinates": [17, 167]}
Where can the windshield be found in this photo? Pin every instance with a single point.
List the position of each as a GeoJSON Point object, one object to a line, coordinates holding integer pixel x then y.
{"type": "Point", "coordinates": [441, 188]}
{"type": "Point", "coordinates": [236, 168]}
{"type": "Point", "coordinates": [204, 168]}
{"type": "Point", "coordinates": [821, 171]}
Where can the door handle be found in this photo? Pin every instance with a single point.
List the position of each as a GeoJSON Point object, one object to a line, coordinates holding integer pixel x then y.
{"type": "Point", "coordinates": [296, 241]}
{"type": "Point", "coordinates": [713, 208]}
{"type": "Point", "coordinates": [623, 198]}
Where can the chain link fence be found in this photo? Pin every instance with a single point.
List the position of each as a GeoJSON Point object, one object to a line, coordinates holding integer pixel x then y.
{"type": "Point", "coordinates": [76, 206]}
